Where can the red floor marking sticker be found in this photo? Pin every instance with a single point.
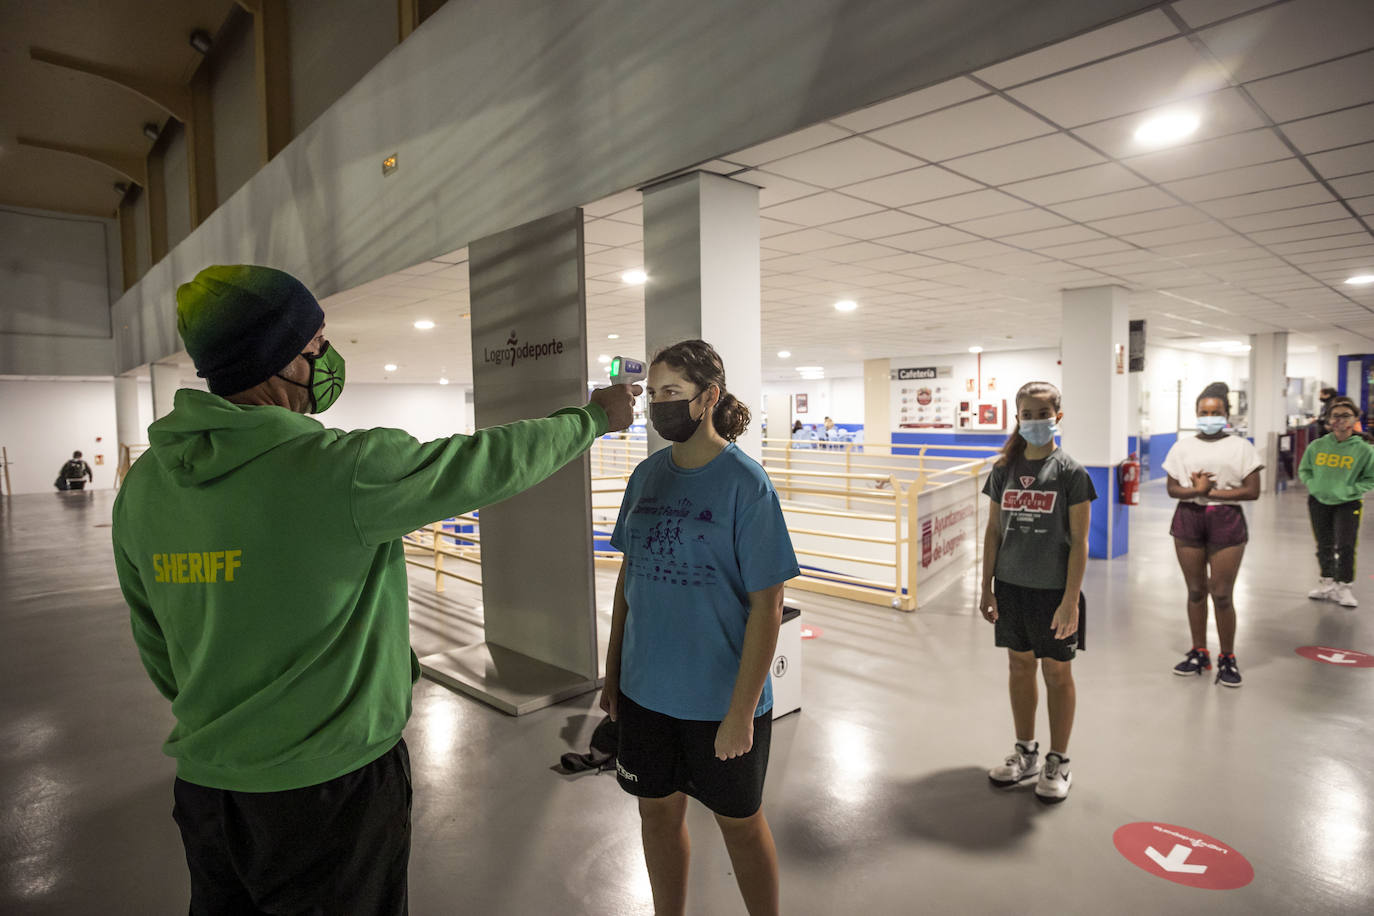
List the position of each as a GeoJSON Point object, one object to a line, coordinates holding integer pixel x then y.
{"type": "Point", "coordinates": [1341, 658]}
{"type": "Point", "coordinates": [1183, 856]}
{"type": "Point", "coordinates": [810, 632]}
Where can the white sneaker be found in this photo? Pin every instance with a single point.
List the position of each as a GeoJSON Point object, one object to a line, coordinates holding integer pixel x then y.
{"type": "Point", "coordinates": [1022, 764]}
{"type": "Point", "coordinates": [1343, 596]}
{"type": "Point", "coordinates": [1055, 780]}
{"type": "Point", "coordinates": [1323, 590]}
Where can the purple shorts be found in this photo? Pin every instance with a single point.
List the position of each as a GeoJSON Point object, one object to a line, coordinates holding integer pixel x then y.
{"type": "Point", "coordinates": [1213, 527]}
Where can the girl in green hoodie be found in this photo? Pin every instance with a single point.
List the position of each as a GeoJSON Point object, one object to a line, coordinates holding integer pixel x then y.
{"type": "Point", "coordinates": [1338, 469]}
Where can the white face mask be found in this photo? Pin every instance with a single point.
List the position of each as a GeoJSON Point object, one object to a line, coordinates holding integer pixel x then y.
{"type": "Point", "coordinates": [1039, 432]}
{"type": "Point", "coordinates": [1210, 426]}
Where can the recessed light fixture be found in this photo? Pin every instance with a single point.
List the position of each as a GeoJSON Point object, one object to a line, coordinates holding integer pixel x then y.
{"type": "Point", "coordinates": [424, 324]}
{"type": "Point", "coordinates": [200, 40]}
{"type": "Point", "coordinates": [1361, 280]}
{"type": "Point", "coordinates": [612, 336]}
{"type": "Point", "coordinates": [810, 368]}
{"type": "Point", "coordinates": [975, 349]}
{"type": "Point", "coordinates": [784, 354]}
{"type": "Point", "coordinates": [846, 305]}
{"type": "Point", "coordinates": [390, 367]}
{"type": "Point", "coordinates": [634, 277]}
{"type": "Point", "coordinates": [603, 359]}
{"type": "Point", "coordinates": [1169, 127]}
{"type": "Point", "coordinates": [443, 381]}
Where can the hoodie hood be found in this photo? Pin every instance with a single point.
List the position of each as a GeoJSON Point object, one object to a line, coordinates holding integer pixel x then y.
{"type": "Point", "coordinates": [205, 436]}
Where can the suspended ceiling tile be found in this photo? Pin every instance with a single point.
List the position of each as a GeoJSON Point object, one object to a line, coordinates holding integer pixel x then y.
{"type": "Point", "coordinates": [1095, 45]}
{"type": "Point", "coordinates": [968, 128]}
{"type": "Point", "coordinates": [610, 232]}
{"type": "Point", "coordinates": [805, 240]}
{"type": "Point", "coordinates": [818, 209]}
{"type": "Point", "coordinates": [1291, 35]}
{"type": "Point", "coordinates": [1121, 203]}
{"type": "Point", "coordinates": [774, 189]}
{"type": "Point", "coordinates": [1311, 231]}
{"type": "Point", "coordinates": [791, 144]}
{"type": "Point", "coordinates": [1348, 161]}
{"type": "Point", "coordinates": [1140, 81]}
{"type": "Point", "coordinates": [926, 239]}
{"type": "Point", "coordinates": [771, 227]}
{"type": "Point", "coordinates": [843, 162]}
{"type": "Point", "coordinates": [1078, 250]}
{"type": "Point", "coordinates": [1268, 176]}
{"type": "Point", "coordinates": [1012, 223]}
{"type": "Point", "coordinates": [857, 251]}
{"type": "Point", "coordinates": [1262, 201]}
{"type": "Point", "coordinates": [1330, 131]}
{"type": "Point", "coordinates": [1198, 13]}
{"type": "Point", "coordinates": [911, 105]}
{"type": "Point", "coordinates": [1295, 217]}
{"type": "Point", "coordinates": [1220, 114]}
{"type": "Point", "coordinates": [880, 224]}
{"type": "Point", "coordinates": [1176, 234]}
{"type": "Point", "coordinates": [1354, 185]}
{"type": "Point", "coordinates": [1025, 160]}
{"type": "Point", "coordinates": [1149, 221]}
{"type": "Point", "coordinates": [912, 187]}
{"type": "Point", "coordinates": [967, 206]}
{"type": "Point", "coordinates": [1363, 205]}
{"type": "Point", "coordinates": [1047, 238]}
{"type": "Point", "coordinates": [1208, 156]}
{"type": "Point", "coordinates": [1326, 87]}
{"type": "Point", "coordinates": [1331, 244]}
{"type": "Point", "coordinates": [970, 250]}
{"type": "Point", "coordinates": [1093, 180]}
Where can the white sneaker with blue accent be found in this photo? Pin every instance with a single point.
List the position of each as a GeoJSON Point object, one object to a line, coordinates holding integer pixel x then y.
{"type": "Point", "coordinates": [1055, 779]}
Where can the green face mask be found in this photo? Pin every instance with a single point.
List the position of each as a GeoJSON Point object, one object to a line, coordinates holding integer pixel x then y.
{"type": "Point", "coordinates": [326, 378]}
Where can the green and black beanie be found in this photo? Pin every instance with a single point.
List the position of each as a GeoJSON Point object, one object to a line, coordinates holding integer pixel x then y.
{"type": "Point", "coordinates": [242, 324]}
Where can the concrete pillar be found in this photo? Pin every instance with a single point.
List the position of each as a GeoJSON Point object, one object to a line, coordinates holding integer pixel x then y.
{"type": "Point", "coordinates": [128, 429]}
{"type": "Point", "coordinates": [701, 252]}
{"type": "Point", "coordinates": [1268, 395]}
{"type": "Point", "coordinates": [1328, 358]}
{"type": "Point", "coordinates": [166, 381]}
{"type": "Point", "coordinates": [1094, 344]}
{"type": "Point", "coordinates": [877, 404]}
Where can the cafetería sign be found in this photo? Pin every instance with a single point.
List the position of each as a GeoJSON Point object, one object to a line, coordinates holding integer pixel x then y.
{"type": "Point", "coordinates": [921, 372]}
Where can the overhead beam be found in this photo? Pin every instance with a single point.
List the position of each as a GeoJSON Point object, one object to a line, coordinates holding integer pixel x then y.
{"type": "Point", "coordinates": [170, 97]}
{"type": "Point", "coordinates": [270, 41]}
{"type": "Point", "coordinates": [128, 243]}
{"type": "Point", "coordinates": [407, 18]}
{"type": "Point", "coordinates": [157, 203]}
{"type": "Point", "coordinates": [200, 150]}
{"type": "Point", "coordinates": [131, 167]}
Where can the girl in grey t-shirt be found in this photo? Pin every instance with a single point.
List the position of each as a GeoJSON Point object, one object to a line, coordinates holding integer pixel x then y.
{"type": "Point", "coordinates": [1035, 553]}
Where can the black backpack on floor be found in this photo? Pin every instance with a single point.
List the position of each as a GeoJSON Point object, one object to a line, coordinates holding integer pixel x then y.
{"type": "Point", "coordinates": [601, 757]}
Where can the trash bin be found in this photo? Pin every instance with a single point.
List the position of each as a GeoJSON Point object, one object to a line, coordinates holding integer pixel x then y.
{"type": "Point", "coordinates": [787, 665]}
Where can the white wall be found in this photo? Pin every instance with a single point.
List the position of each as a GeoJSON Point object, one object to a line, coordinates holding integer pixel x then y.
{"type": "Point", "coordinates": [1002, 373]}
{"type": "Point", "coordinates": [425, 411]}
{"type": "Point", "coordinates": [1165, 368]}
{"type": "Point", "coordinates": [841, 399]}
{"type": "Point", "coordinates": [43, 422]}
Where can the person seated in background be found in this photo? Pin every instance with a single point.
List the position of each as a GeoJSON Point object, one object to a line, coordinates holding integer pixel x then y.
{"type": "Point", "coordinates": [74, 474]}
{"type": "Point", "coordinates": [831, 433]}
{"type": "Point", "coordinates": [802, 435]}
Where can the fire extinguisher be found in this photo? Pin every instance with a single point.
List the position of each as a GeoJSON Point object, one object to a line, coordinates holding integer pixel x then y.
{"type": "Point", "coordinates": [1128, 481]}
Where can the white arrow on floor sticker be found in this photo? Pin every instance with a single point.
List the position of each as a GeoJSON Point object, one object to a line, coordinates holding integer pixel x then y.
{"type": "Point", "coordinates": [1176, 861]}
{"type": "Point", "coordinates": [1338, 659]}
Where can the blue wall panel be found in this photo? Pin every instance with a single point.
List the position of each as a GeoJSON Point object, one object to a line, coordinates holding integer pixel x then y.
{"type": "Point", "coordinates": [1160, 443]}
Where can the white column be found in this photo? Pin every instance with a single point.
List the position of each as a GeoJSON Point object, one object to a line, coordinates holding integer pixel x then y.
{"type": "Point", "coordinates": [877, 403]}
{"type": "Point", "coordinates": [128, 429]}
{"type": "Point", "coordinates": [1328, 365]}
{"type": "Point", "coordinates": [1096, 406]}
{"type": "Point", "coordinates": [701, 252]}
{"type": "Point", "coordinates": [1093, 347]}
{"type": "Point", "coordinates": [166, 381]}
{"type": "Point", "coordinates": [1268, 383]}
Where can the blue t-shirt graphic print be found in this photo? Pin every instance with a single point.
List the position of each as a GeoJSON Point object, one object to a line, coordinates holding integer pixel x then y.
{"type": "Point", "coordinates": [696, 542]}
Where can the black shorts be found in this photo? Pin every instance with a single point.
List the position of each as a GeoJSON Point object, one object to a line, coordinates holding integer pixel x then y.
{"type": "Point", "coordinates": [660, 755]}
{"type": "Point", "coordinates": [1213, 527]}
{"type": "Point", "coordinates": [1023, 622]}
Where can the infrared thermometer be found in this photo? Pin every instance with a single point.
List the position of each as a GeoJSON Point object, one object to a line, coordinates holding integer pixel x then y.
{"type": "Point", "coordinates": [626, 371]}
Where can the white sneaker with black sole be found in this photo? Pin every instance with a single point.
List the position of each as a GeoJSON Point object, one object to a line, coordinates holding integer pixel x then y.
{"type": "Point", "coordinates": [1323, 590]}
{"type": "Point", "coordinates": [1022, 764]}
{"type": "Point", "coordinates": [1343, 596]}
{"type": "Point", "coordinates": [1055, 780]}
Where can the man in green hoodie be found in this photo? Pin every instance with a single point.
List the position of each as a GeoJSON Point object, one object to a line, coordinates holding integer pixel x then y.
{"type": "Point", "coordinates": [261, 559]}
{"type": "Point", "coordinates": [1338, 470]}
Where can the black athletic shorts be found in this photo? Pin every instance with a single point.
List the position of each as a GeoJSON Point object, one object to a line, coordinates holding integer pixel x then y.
{"type": "Point", "coordinates": [660, 755]}
{"type": "Point", "coordinates": [1024, 616]}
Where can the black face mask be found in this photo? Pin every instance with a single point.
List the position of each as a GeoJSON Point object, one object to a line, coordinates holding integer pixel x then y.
{"type": "Point", "coordinates": [673, 419]}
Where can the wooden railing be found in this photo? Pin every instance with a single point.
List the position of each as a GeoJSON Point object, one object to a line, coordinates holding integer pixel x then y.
{"type": "Point", "coordinates": [429, 547]}
{"type": "Point", "coordinates": [128, 454]}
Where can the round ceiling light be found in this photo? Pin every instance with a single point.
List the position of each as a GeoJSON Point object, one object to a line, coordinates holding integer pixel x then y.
{"type": "Point", "coordinates": [1169, 127]}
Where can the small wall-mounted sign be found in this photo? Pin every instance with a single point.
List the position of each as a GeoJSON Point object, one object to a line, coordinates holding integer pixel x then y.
{"type": "Point", "coordinates": [389, 164]}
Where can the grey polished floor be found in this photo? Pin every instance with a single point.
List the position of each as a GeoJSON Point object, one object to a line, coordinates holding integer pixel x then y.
{"type": "Point", "coordinates": [876, 789]}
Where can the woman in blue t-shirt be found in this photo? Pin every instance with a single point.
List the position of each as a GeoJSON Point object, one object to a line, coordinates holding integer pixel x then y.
{"type": "Point", "coordinates": [697, 610]}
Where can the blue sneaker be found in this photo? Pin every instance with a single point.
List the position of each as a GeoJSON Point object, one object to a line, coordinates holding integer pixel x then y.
{"type": "Point", "coordinates": [1228, 675]}
{"type": "Point", "coordinates": [1196, 662]}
